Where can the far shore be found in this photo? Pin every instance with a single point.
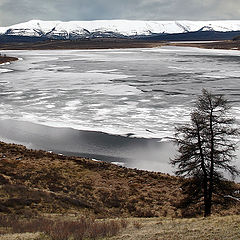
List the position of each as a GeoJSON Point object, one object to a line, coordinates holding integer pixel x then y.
{"type": "Point", "coordinates": [80, 44]}
{"type": "Point", "coordinates": [224, 45]}
{"type": "Point", "coordinates": [113, 44]}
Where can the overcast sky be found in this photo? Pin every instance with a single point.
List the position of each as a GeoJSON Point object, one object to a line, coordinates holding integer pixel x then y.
{"type": "Point", "coordinates": [16, 11]}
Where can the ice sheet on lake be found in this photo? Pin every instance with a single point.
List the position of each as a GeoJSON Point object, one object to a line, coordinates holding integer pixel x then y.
{"type": "Point", "coordinates": [4, 70]}
{"type": "Point", "coordinates": [135, 92]}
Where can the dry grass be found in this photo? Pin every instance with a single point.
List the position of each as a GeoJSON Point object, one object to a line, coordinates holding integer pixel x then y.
{"type": "Point", "coordinates": [61, 228]}
{"type": "Point", "coordinates": [213, 228]}
{"type": "Point", "coordinates": [22, 236]}
{"type": "Point", "coordinates": [36, 182]}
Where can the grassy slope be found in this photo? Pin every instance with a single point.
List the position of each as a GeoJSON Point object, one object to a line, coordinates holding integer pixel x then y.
{"type": "Point", "coordinates": [215, 228]}
{"type": "Point", "coordinates": [41, 182]}
{"type": "Point", "coordinates": [44, 182]}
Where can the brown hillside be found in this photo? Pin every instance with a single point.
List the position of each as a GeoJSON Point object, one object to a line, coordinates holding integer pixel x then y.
{"type": "Point", "coordinates": [44, 182]}
{"type": "Point", "coordinates": [41, 182]}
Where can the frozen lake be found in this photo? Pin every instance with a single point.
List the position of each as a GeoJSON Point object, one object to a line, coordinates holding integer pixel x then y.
{"type": "Point", "coordinates": [140, 91]}
{"type": "Point", "coordinates": [129, 92]}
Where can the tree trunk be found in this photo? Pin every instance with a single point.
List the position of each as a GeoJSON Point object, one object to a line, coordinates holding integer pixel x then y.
{"type": "Point", "coordinates": [207, 201]}
{"type": "Point", "coordinates": [207, 197]}
{"type": "Point", "coordinates": [210, 190]}
{"type": "Point", "coordinates": [208, 205]}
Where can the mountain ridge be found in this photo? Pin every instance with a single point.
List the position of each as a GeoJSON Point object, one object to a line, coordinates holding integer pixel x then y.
{"type": "Point", "coordinates": [115, 28]}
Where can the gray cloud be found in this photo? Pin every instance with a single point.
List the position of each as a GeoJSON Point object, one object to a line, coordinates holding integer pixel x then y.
{"type": "Point", "coordinates": [14, 11]}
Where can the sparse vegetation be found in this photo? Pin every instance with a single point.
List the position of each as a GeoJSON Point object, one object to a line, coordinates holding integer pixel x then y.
{"type": "Point", "coordinates": [137, 224]}
{"type": "Point", "coordinates": [212, 228]}
{"type": "Point", "coordinates": [41, 193]}
{"type": "Point", "coordinates": [62, 229]}
{"type": "Point", "coordinates": [35, 182]}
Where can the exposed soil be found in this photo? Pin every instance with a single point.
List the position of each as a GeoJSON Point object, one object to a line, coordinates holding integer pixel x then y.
{"type": "Point", "coordinates": [7, 59]}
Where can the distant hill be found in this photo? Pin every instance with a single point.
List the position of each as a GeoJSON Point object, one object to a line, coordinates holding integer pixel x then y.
{"type": "Point", "coordinates": [18, 39]}
{"type": "Point", "coordinates": [194, 36]}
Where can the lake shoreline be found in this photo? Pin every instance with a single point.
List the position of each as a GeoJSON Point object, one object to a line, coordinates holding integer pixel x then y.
{"type": "Point", "coordinates": [220, 45]}
{"type": "Point", "coordinates": [81, 44]}
{"type": "Point", "coordinates": [116, 44]}
{"type": "Point", "coordinates": [133, 152]}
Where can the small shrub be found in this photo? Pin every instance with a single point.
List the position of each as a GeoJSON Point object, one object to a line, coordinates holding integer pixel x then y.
{"type": "Point", "coordinates": [137, 224]}
{"type": "Point", "coordinates": [8, 220]}
{"type": "Point", "coordinates": [144, 212]}
{"type": "Point", "coordinates": [124, 223]}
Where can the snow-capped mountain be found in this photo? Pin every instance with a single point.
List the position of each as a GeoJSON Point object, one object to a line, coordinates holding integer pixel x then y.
{"type": "Point", "coordinates": [114, 28]}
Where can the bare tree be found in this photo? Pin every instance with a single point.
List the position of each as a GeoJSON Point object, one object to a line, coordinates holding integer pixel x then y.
{"type": "Point", "coordinates": [206, 149]}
